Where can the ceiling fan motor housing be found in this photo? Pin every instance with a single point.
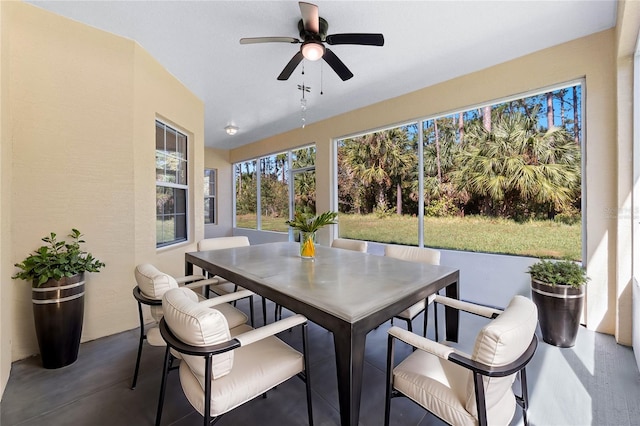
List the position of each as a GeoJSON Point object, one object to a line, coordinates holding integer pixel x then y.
{"type": "Point", "coordinates": [305, 35]}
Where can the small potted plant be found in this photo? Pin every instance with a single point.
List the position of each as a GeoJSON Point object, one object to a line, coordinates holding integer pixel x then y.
{"type": "Point", "coordinates": [557, 289]}
{"type": "Point", "coordinates": [56, 271]}
{"type": "Point", "coordinates": [308, 225]}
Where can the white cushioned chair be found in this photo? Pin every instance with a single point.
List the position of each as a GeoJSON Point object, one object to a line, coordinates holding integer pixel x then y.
{"type": "Point", "coordinates": [466, 389]}
{"type": "Point", "coordinates": [347, 244]}
{"type": "Point", "coordinates": [224, 286]}
{"type": "Point", "coordinates": [416, 254]}
{"type": "Point", "coordinates": [152, 284]}
{"type": "Point", "coordinates": [223, 368]}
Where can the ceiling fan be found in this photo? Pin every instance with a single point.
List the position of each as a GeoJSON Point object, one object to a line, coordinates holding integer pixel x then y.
{"type": "Point", "coordinates": [313, 36]}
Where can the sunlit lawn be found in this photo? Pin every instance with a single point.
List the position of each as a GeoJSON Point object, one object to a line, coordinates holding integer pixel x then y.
{"type": "Point", "coordinates": [471, 233]}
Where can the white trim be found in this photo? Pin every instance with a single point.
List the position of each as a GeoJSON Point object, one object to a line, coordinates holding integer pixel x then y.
{"type": "Point", "coordinates": [60, 300]}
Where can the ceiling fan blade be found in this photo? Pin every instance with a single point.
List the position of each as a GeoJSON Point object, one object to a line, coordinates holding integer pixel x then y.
{"type": "Point", "coordinates": [252, 40]}
{"type": "Point", "coordinates": [293, 63]}
{"type": "Point", "coordinates": [356, 38]}
{"type": "Point", "coordinates": [337, 65]}
{"type": "Point", "coordinates": [310, 17]}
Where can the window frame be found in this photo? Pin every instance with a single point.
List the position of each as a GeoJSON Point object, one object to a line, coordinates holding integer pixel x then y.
{"type": "Point", "coordinates": [212, 187]}
{"type": "Point", "coordinates": [160, 243]}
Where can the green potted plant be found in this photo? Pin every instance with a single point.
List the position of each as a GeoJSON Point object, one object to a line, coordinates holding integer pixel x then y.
{"type": "Point", "coordinates": [56, 271]}
{"type": "Point", "coordinates": [308, 225]}
{"type": "Point", "coordinates": [557, 289]}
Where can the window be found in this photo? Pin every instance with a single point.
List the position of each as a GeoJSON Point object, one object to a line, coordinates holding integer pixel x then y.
{"type": "Point", "coordinates": [209, 196]}
{"type": "Point", "coordinates": [171, 185]}
{"type": "Point", "coordinates": [501, 178]}
{"type": "Point", "coordinates": [272, 185]}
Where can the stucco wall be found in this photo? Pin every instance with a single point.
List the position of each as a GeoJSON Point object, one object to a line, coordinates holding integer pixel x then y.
{"type": "Point", "coordinates": [591, 57]}
{"type": "Point", "coordinates": [6, 290]}
{"type": "Point", "coordinates": [219, 160]}
{"type": "Point", "coordinates": [82, 105]}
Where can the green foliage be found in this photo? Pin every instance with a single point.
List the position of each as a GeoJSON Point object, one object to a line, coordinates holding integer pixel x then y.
{"type": "Point", "coordinates": [57, 259]}
{"type": "Point", "coordinates": [381, 211]}
{"type": "Point", "coordinates": [570, 216]}
{"type": "Point", "coordinates": [441, 207]}
{"type": "Point", "coordinates": [563, 272]}
{"type": "Point", "coordinates": [306, 223]}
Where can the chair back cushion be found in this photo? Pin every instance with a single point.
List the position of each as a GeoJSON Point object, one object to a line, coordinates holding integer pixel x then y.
{"type": "Point", "coordinates": [153, 284]}
{"type": "Point", "coordinates": [499, 343]}
{"type": "Point", "coordinates": [413, 254]}
{"type": "Point", "coordinates": [347, 244]}
{"type": "Point", "coordinates": [197, 325]}
{"type": "Point", "coordinates": [222, 243]}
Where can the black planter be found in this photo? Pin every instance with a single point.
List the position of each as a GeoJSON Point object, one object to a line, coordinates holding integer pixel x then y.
{"type": "Point", "coordinates": [58, 312]}
{"type": "Point", "coordinates": [559, 310]}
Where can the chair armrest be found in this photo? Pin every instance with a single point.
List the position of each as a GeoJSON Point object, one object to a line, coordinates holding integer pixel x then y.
{"type": "Point", "coordinates": [473, 308]}
{"type": "Point", "coordinates": [218, 300]}
{"type": "Point", "coordinates": [189, 278]}
{"type": "Point", "coordinates": [269, 330]}
{"type": "Point", "coordinates": [202, 283]}
{"type": "Point", "coordinates": [496, 371]}
{"type": "Point", "coordinates": [419, 342]}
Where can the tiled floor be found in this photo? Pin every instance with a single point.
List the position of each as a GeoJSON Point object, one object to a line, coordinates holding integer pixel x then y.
{"type": "Point", "coordinates": [594, 383]}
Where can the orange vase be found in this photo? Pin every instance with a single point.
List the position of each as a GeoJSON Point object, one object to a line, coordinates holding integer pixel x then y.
{"type": "Point", "coordinates": [307, 245]}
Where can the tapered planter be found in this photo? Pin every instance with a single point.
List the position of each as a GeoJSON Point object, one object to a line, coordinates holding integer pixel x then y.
{"type": "Point", "coordinates": [559, 310]}
{"type": "Point", "coordinates": [58, 312]}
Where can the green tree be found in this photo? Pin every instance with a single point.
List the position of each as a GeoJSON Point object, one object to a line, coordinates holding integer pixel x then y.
{"type": "Point", "coordinates": [517, 170]}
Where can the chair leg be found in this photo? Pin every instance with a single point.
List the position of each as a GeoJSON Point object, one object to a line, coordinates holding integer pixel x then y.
{"type": "Point", "coordinates": [524, 398]}
{"type": "Point", "coordinates": [142, 337]}
{"type": "Point", "coordinates": [251, 311]}
{"type": "Point", "coordinates": [264, 310]}
{"type": "Point", "coordinates": [168, 360]}
{"type": "Point", "coordinates": [435, 319]}
{"type": "Point", "coordinates": [387, 400]}
{"type": "Point", "coordinates": [307, 375]}
{"type": "Point", "coordinates": [425, 318]}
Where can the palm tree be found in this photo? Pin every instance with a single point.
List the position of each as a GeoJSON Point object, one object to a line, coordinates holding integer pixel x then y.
{"type": "Point", "coordinates": [516, 169]}
{"type": "Point", "coordinates": [381, 160]}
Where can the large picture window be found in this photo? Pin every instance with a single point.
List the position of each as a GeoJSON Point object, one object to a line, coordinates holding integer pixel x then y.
{"type": "Point", "coordinates": [273, 185]}
{"type": "Point", "coordinates": [171, 185]}
{"type": "Point", "coordinates": [501, 178]}
{"type": "Point", "coordinates": [209, 196]}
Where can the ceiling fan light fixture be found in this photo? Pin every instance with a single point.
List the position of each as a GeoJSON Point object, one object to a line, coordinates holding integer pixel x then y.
{"type": "Point", "coordinates": [312, 50]}
{"type": "Point", "coordinates": [231, 130]}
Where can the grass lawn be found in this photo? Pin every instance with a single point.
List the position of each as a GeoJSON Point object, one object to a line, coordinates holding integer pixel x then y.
{"type": "Point", "coordinates": [471, 233]}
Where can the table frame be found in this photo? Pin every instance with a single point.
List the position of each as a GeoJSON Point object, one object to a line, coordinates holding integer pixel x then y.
{"type": "Point", "coordinates": [349, 337]}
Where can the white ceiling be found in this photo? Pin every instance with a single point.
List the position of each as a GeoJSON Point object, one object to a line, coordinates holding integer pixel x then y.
{"type": "Point", "coordinates": [426, 42]}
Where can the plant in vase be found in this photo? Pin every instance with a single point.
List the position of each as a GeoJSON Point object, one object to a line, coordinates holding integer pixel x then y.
{"type": "Point", "coordinates": [308, 225]}
{"type": "Point", "coordinates": [557, 288]}
{"type": "Point", "coordinates": [56, 271]}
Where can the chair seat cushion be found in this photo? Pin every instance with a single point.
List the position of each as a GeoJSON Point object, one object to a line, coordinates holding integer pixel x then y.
{"type": "Point", "coordinates": [235, 317]}
{"type": "Point", "coordinates": [436, 384]}
{"type": "Point", "coordinates": [415, 309]}
{"type": "Point", "coordinates": [225, 287]}
{"type": "Point", "coordinates": [256, 369]}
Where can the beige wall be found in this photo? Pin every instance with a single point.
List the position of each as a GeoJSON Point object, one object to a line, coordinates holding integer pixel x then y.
{"type": "Point", "coordinates": [626, 38]}
{"type": "Point", "coordinates": [219, 160]}
{"type": "Point", "coordinates": [82, 105]}
{"type": "Point", "coordinates": [6, 289]}
{"type": "Point", "coordinates": [591, 57]}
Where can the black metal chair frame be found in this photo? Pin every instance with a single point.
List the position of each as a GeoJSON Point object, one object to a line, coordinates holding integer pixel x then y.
{"type": "Point", "coordinates": [479, 370]}
{"type": "Point", "coordinates": [207, 352]}
{"type": "Point", "coordinates": [143, 300]}
{"type": "Point", "coordinates": [425, 319]}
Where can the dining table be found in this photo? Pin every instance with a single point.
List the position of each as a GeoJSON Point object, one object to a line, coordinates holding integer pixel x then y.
{"type": "Point", "coordinates": [347, 292]}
